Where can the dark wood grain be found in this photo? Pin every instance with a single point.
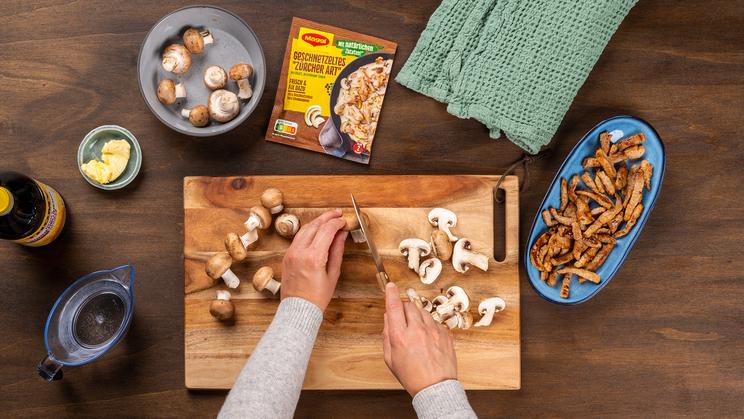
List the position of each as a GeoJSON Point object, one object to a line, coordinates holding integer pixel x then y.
{"type": "Point", "coordinates": [666, 338]}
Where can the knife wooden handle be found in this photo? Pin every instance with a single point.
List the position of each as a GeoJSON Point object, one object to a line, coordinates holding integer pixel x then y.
{"type": "Point", "coordinates": [382, 280]}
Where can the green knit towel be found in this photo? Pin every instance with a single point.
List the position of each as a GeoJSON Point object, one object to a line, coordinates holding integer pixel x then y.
{"type": "Point", "coordinates": [514, 65]}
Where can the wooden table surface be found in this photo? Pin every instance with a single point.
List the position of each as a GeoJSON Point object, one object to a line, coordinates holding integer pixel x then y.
{"type": "Point", "coordinates": [665, 338]}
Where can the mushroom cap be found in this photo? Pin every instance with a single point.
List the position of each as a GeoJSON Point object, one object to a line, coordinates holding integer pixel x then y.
{"type": "Point", "coordinates": [430, 270]}
{"type": "Point", "coordinates": [215, 77]}
{"type": "Point", "coordinates": [167, 92]}
{"type": "Point", "coordinates": [494, 304]}
{"type": "Point", "coordinates": [193, 41]}
{"type": "Point", "coordinates": [199, 116]}
{"type": "Point", "coordinates": [179, 56]}
{"type": "Point", "coordinates": [218, 264]}
{"type": "Point", "coordinates": [287, 225]}
{"type": "Point", "coordinates": [419, 245]}
{"type": "Point", "coordinates": [441, 245]}
{"type": "Point", "coordinates": [223, 105]}
{"type": "Point", "coordinates": [352, 222]}
{"type": "Point", "coordinates": [264, 215]}
{"type": "Point", "coordinates": [235, 247]}
{"type": "Point", "coordinates": [262, 277]}
{"type": "Point", "coordinates": [271, 198]}
{"type": "Point", "coordinates": [241, 71]}
{"type": "Point", "coordinates": [458, 294]}
{"type": "Point", "coordinates": [438, 215]}
{"type": "Point", "coordinates": [222, 309]}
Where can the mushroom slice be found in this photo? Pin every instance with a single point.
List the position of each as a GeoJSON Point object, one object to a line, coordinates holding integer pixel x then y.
{"type": "Point", "coordinates": [440, 245]}
{"type": "Point", "coordinates": [353, 227]}
{"type": "Point", "coordinates": [487, 308]}
{"type": "Point", "coordinates": [460, 321]}
{"type": "Point", "coordinates": [318, 121]}
{"type": "Point", "coordinates": [457, 300]}
{"type": "Point", "coordinates": [222, 308]}
{"type": "Point", "coordinates": [198, 115]}
{"type": "Point", "coordinates": [264, 279]}
{"type": "Point", "coordinates": [218, 266]}
{"type": "Point", "coordinates": [195, 40]}
{"type": "Point", "coordinates": [310, 114]}
{"type": "Point", "coordinates": [223, 105]}
{"type": "Point", "coordinates": [287, 225]}
{"type": "Point", "coordinates": [235, 247]}
{"type": "Point", "coordinates": [414, 249]}
{"type": "Point", "coordinates": [414, 297]}
{"type": "Point", "coordinates": [259, 218]}
{"type": "Point", "coordinates": [169, 92]}
{"type": "Point", "coordinates": [273, 200]}
{"type": "Point", "coordinates": [443, 219]}
{"type": "Point", "coordinates": [215, 77]}
{"type": "Point", "coordinates": [463, 256]}
{"type": "Point", "coordinates": [429, 270]}
{"type": "Point", "coordinates": [242, 73]}
{"type": "Point", "coordinates": [176, 59]}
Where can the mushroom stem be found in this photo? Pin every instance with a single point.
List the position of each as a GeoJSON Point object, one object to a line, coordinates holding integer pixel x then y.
{"type": "Point", "coordinates": [231, 280]}
{"type": "Point", "coordinates": [246, 91]}
{"type": "Point", "coordinates": [180, 90]}
{"type": "Point", "coordinates": [207, 37]}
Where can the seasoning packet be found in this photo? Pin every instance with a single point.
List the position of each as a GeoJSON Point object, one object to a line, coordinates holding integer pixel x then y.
{"type": "Point", "coordinates": [331, 90]}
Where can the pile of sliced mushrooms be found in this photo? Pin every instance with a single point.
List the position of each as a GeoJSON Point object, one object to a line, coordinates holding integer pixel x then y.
{"type": "Point", "coordinates": [260, 217]}
{"type": "Point", "coordinates": [222, 105]}
{"type": "Point", "coordinates": [452, 307]}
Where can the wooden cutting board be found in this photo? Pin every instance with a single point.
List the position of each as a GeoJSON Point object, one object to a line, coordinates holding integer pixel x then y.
{"type": "Point", "coordinates": [348, 351]}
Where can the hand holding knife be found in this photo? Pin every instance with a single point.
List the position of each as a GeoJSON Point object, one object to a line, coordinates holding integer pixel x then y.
{"type": "Point", "coordinates": [382, 276]}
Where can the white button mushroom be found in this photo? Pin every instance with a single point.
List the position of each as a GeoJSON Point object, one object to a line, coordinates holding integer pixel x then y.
{"type": "Point", "coordinates": [462, 257]}
{"type": "Point", "coordinates": [242, 74]}
{"type": "Point", "coordinates": [443, 219]}
{"type": "Point", "coordinates": [235, 247]}
{"type": "Point", "coordinates": [414, 249]}
{"type": "Point", "coordinates": [487, 308]}
{"type": "Point", "coordinates": [264, 279]}
{"type": "Point", "coordinates": [273, 200]}
{"type": "Point", "coordinates": [353, 227]}
{"type": "Point", "coordinates": [441, 246]}
{"type": "Point", "coordinates": [215, 77]}
{"type": "Point", "coordinates": [222, 308]}
{"type": "Point", "coordinates": [259, 218]}
{"type": "Point", "coordinates": [287, 225]}
{"type": "Point", "coordinates": [460, 321]}
{"type": "Point", "coordinates": [218, 266]}
{"type": "Point", "coordinates": [429, 270]}
{"type": "Point", "coordinates": [223, 105]}
{"type": "Point", "coordinates": [457, 300]}
{"type": "Point", "coordinates": [169, 92]}
{"type": "Point", "coordinates": [195, 40]}
{"type": "Point", "coordinates": [198, 115]}
{"type": "Point", "coordinates": [176, 59]}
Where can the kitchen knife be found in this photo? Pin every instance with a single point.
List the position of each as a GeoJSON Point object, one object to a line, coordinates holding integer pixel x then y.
{"type": "Point", "coordinates": [382, 277]}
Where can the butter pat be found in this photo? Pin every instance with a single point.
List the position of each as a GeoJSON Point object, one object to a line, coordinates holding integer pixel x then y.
{"type": "Point", "coordinates": [114, 158]}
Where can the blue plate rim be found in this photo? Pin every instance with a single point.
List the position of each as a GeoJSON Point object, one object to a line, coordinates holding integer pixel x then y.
{"type": "Point", "coordinates": [638, 226]}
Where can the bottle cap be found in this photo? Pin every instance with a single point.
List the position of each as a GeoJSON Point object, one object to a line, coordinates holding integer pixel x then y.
{"type": "Point", "coordinates": [6, 201]}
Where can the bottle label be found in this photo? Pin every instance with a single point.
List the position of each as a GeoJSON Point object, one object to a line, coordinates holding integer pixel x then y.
{"type": "Point", "coordinates": [54, 219]}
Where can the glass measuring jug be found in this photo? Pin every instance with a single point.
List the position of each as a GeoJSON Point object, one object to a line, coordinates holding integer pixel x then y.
{"type": "Point", "coordinates": [88, 319]}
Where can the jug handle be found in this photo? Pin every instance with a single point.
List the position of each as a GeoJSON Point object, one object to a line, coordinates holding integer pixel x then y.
{"type": "Point", "coordinates": [49, 369]}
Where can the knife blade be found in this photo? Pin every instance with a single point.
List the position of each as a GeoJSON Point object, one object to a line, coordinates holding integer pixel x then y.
{"type": "Point", "coordinates": [382, 277]}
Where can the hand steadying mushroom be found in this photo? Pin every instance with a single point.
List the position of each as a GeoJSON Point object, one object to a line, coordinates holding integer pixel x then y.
{"type": "Point", "coordinates": [259, 219]}
{"type": "Point", "coordinates": [169, 92]}
{"type": "Point", "coordinates": [218, 266]}
{"type": "Point", "coordinates": [353, 227]}
{"type": "Point", "coordinates": [287, 225]}
{"type": "Point", "coordinates": [429, 270]}
{"type": "Point", "coordinates": [198, 115]}
{"type": "Point", "coordinates": [195, 40]}
{"type": "Point", "coordinates": [273, 200]}
{"type": "Point", "coordinates": [223, 105]}
{"type": "Point", "coordinates": [487, 308]}
{"type": "Point", "coordinates": [242, 74]}
{"type": "Point", "coordinates": [443, 219]}
{"type": "Point", "coordinates": [414, 249]}
{"type": "Point", "coordinates": [235, 247]}
{"type": "Point", "coordinates": [222, 308]}
{"type": "Point", "coordinates": [264, 279]}
{"type": "Point", "coordinates": [215, 77]}
{"type": "Point", "coordinates": [462, 257]}
{"type": "Point", "coordinates": [176, 59]}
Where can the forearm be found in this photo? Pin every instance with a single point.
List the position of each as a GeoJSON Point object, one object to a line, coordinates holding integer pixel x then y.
{"type": "Point", "coordinates": [445, 400]}
{"type": "Point", "coordinates": [269, 384]}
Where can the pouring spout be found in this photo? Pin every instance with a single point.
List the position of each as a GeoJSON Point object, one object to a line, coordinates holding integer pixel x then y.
{"type": "Point", "coordinates": [125, 275]}
{"type": "Point", "coordinates": [49, 369]}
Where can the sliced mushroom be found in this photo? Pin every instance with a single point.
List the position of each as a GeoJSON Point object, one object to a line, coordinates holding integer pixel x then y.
{"type": "Point", "coordinates": [443, 219]}
{"type": "Point", "coordinates": [259, 219]}
{"type": "Point", "coordinates": [462, 257]}
{"type": "Point", "coordinates": [222, 308]}
{"type": "Point", "coordinates": [460, 321]}
{"type": "Point", "coordinates": [242, 73]}
{"type": "Point", "coordinates": [218, 266]}
{"type": "Point", "coordinates": [198, 115]}
{"type": "Point", "coordinates": [353, 227]}
{"type": "Point", "coordinates": [414, 249]}
{"type": "Point", "coordinates": [215, 77]}
{"type": "Point", "coordinates": [195, 40]}
{"type": "Point", "coordinates": [176, 59]}
{"type": "Point", "coordinates": [273, 200]}
{"type": "Point", "coordinates": [169, 92]}
{"type": "Point", "coordinates": [457, 300]}
{"type": "Point", "coordinates": [438, 300]}
{"type": "Point", "coordinates": [223, 105]}
{"type": "Point", "coordinates": [441, 246]}
{"type": "Point", "coordinates": [427, 305]}
{"type": "Point", "coordinates": [429, 270]}
{"type": "Point", "coordinates": [264, 279]}
{"type": "Point", "coordinates": [287, 225]}
{"type": "Point", "coordinates": [487, 308]}
{"type": "Point", "coordinates": [235, 247]}
{"type": "Point", "coordinates": [313, 116]}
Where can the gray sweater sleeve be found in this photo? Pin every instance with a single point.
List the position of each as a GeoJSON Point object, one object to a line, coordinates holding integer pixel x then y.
{"type": "Point", "coordinates": [269, 384]}
{"type": "Point", "coordinates": [445, 400]}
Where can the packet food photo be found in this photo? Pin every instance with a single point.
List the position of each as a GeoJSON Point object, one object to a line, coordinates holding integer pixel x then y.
{"type": "Point", "coordinates": [331, 89]}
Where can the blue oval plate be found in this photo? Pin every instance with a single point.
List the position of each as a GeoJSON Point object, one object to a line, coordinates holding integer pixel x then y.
{"type": "Point", "coordinates": [620, 127]}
